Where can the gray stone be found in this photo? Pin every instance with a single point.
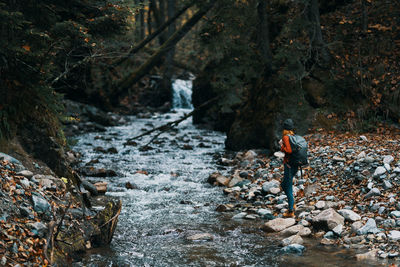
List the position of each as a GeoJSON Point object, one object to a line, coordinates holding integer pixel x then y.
{"type": "Point", "coordinates": [293, 230]}
{"type": "Point", "coordinates": [364, 138]}
{"type": "Point", "coordinates": [396, 170]}
{"type": "Point", "coordinates": [235, 180]}
{"type": "Point", "coordinates": [349, 215]}
{"type": "Point", "coordinates": [25, 173]}
{"type": "Point", "coordinates": [201, 237]}
{"type": "Point", "coordinates": [18, 165]}
{"type": "Point", "coordinates": [279, 154]}
{"type": "Point", "coordinates": [387, 167]}
{"type": "Point", "coordinates": [395, 214]}
{"type": "Point", "coordinates": [338, 159]}
{"type": "Point", "coordinates": [320, 204]}
{"type": "Point", "coordinates": [25, 183]}
{"type": "Point", "coordinates": [293, 249]}
{"type": "Point", "coordinates": [26, 212]}
{"type": "Point", "coordinates": [38, 228]}
{"type": "Point", "coordinates": [387, 184]}
{"type": "Point", "coordinates": [368, 228]}
{"type": "Point", "coordinates": [267, 186]}
{"type": "Point", "coordinates": [379, 171]}
{"type": "Point", "coordinates": [394, 235]}
{"type": "Point", "coordinates": [275, 190]}
{"type": "Point", "coordinates": [389, 223]}
{"type": "Point", "coordinates": [40, 205]}
{"type": "Point", "coordinates": [338, 230]}
{"type": "Point", "coordinates": [327, 220]}
{"type": "Point", "coordinates": [330, 235]}
{"type": "Point", "coordinates": [373, 192]}
{"type": "Point", "coordinates": [263, 212]}
{"type": "Point", "coordinates": [278, 224]}
{"type": "Point", "coordinates": [294, 239]}
{"type": "Point", "coordinates": [388, 159]}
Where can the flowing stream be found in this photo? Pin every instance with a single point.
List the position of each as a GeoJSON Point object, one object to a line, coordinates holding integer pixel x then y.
{"type": "Point", "coordinates": [169, 201]}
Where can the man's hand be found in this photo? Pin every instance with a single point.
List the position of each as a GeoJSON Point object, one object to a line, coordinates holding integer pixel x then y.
{"type": "Point", "coordinates": [281, 142]}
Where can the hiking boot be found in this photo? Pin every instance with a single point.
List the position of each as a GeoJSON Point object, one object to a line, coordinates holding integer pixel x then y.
{"type": "Point", "coordinates": [288, 214]}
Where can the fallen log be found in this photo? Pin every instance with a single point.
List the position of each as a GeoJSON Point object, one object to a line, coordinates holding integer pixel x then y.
{"type": "Point", "coordinates": [171, 124]}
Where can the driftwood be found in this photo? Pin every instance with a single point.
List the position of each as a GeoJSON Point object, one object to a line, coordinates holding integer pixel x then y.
{"type": "Point", "coordinates": [171, 124]}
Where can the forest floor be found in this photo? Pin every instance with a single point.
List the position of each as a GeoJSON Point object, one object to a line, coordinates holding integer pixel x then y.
{"type": "Point", "coordinates": [348, 194]}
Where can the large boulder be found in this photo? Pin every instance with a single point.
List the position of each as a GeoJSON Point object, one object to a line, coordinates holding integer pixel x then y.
{"type": "Point", "coordinates": [349, 215]}
{"type": "Point", "coordinates": [278, 224]}
{"type": "Point", "coordinates": [327, 220]}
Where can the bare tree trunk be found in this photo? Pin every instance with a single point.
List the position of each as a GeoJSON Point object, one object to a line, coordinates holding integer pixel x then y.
{"type": "Point", "coordinates": [263, 37]}
{"type": "Point", "coordinates": [167, 79]}
{"type": "Point", "coordinates": [141, 21]}
{"type": "Point", "coordinates": [364, 17]}
{"type": "Point", "coordinates": [153, 35]}
{"type": "Point", "coordinates": [314, 31]}
{"type": "Point", "coordinates": [126, 83]}
{"type": "Point", "coordinates": [149, 21]}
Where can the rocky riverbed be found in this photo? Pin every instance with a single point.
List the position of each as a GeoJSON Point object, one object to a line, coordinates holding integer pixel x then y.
{"type": "Point", "coordinates": [347, 197]}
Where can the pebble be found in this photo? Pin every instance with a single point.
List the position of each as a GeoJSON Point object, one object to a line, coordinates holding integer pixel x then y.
{"type": "Point", "coordinates": [293, 249]}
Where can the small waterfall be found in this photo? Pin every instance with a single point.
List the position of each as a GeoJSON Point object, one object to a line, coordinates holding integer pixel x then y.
{"type": "Point", "coordinates": [182, 93]}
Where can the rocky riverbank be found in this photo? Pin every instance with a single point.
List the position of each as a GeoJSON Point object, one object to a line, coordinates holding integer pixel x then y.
{"type": "Point", "coordinates": [48, 219]}
{"type": "Point", "coordinates": [348, 196]}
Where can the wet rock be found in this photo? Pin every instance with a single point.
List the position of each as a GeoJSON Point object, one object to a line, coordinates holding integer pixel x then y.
{"type": "Point", "coordinates": [327, 220]}
{"type": "Point", "coordinates": [294, 239]}
{"type": "Point", "coordinates": [234, 181]}
{"type": "Point", "coordinates": [394, 235]}
{"type": "Point", "coordinates": [373, 192]}
{"type": "Point", "coordinates": [89, 187]}
{"type": "Point", "coordinates": [94, 172]}
{"type": "Point", "coordinates": [112, 150]}
{"type": "Point", "coordinates": [367, 256]}
{"type": "Point", "coordinates": [222, 181]}
{"type": "Point", "coordinates": [278, 224]}
{"type": "Point", "coordinates": [327, 242]}
{"type": "Point", "coordinates": [293, 249]}
{"type": "Point", "coordinates": [101, 187]}
{"type": "Point", "coordinates": [243, 183]}
{"type": "Point", "coordinates": [224, 207]}
{"type": "Point", "coordinates": [239, 216]}
{"type": "Point", "coordinates": [349, 215]}
{"type": "Point", "coordinates": [368, 228]}
{"type": "Point", "coordinates": [40, 205]}
{"type": "Point", "coordinates": [25, 173]}
{"type": "Point", "coordinates": [296, 230]}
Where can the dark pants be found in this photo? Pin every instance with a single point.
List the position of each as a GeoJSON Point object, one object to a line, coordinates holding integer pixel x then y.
{"type": "Point", "coordinates": [287, 183]}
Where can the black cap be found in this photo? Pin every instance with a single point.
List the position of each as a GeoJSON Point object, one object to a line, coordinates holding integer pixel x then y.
{"type": "Point", "coordinates": [288, 124]}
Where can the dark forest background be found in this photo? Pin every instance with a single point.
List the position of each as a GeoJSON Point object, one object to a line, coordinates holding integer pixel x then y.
{"type": "Point", "coordinates": [329, 64]}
